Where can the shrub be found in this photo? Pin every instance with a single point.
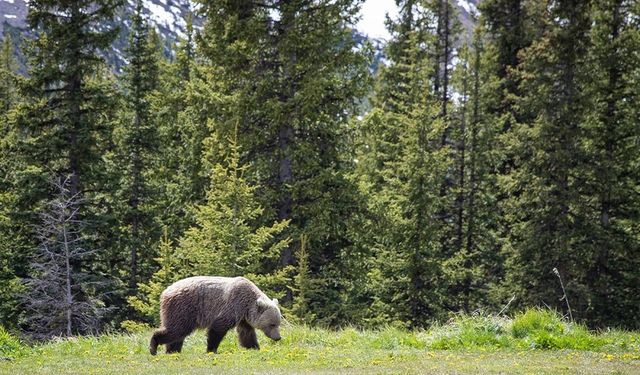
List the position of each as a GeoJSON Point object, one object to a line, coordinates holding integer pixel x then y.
{"type": "Point", "coordinates": [537, 322]}
{"type": "Point", "coordinates": [472, 332]}
{"type": "Point", "coordinates": [131, 326]}
{"type": "Point", "coordinates": [10, 346]}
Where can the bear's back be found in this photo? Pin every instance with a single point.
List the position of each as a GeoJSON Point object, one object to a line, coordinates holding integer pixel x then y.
{"type": "Point", "coordinates": [209, 285]}
{"type": "Point", "coordinates": [206, 298]}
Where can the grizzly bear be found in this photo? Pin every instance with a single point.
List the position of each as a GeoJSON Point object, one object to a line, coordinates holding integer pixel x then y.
{"type": "Point", "coordinates": [216, 304]}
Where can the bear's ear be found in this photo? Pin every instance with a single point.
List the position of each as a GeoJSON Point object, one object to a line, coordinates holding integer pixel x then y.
{"type": "Point", "coordinates": [275, 302]}
{"type": "Point", "coordinates": [263, 304]}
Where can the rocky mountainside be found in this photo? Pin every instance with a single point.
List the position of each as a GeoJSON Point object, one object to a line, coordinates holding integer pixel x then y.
{"type": "Point", "coordinates": [169, 18]}
{"type": "Point", "coordinates": [467, 9]}
{"type": "Point", "coordinates": [167, 15]}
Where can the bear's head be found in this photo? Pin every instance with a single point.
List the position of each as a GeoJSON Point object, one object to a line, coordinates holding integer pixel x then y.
{"type": "Point", "coordinates": [268, 317]}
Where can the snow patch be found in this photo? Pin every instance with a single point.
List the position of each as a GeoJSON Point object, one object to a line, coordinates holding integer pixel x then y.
{"type": "Point", "coordinates": [10, 16]}
{"type": "Point", "coordinates": [274, 14]}
{"type": "Point", "coordinates": [160, 15]}
{"type": "Point", "coordinates": [468, 7]}
{"type": "Point", "coordinates": [9, 1]}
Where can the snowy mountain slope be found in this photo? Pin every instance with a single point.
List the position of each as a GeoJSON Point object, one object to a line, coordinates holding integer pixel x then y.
{"type": "Point", "coordinates": [169, 18]}
{"type": "Point", "coordinates": [167, 15]}
{"type": "Point", "coordinates": [467, 10]}
{"type": "Point", "coordinates": [12, 13]}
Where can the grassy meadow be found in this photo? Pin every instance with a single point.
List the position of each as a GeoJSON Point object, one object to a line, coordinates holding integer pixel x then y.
{"type": "Point", "coordinates": [536, 342]}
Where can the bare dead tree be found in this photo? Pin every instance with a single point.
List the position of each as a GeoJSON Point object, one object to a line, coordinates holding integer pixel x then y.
{"type": "Point", "coordinates": [58, 300]}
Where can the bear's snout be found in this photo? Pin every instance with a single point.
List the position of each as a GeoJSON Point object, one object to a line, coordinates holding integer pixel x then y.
{"type": "Point", "coordinates": [277, 338]}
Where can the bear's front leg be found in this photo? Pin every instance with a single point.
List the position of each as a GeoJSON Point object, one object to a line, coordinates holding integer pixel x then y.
{"type": "Point", "coordinates": [216, 333]}
{"type": "Point", "coordinates": [214, 337]}
{"type": "Point", "coordinates": [247, 336]}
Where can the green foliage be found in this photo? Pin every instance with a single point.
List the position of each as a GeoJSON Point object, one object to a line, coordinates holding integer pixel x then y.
{"type": "Point", "coordinates": [461, 186]}
{"type": "Point", "coordinates": [304, 286]}
{"type": "Point", "coordinates": [532, 329]}
{"type": "Point", "coordinates": [297, 76]}
{"type": "Point", "coordinates": [227, 239]}
{"type": "Point", "coordinates": [569, 170]}
{"type": "Point", "coordinates": [132, 327]}
{"type": "Point", "coordinates": [136, 152]}
{"type": "Point", "coordinates": [10, 346]}
{"type": "Point", "coordinates": [532, 321]}
{"type": "Point", "coordinates": [12, 257]}
{"type": "Point", "coordinates": [147, 302]}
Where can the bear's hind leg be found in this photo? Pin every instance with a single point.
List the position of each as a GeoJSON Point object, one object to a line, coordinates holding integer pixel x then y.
{"type": "Point", "coordinates": [175, 347]}
{"type": "Point", "coordinates": [156, 340]}
{"type": "Point", "coordinates": [166, 336]}
{"type": "Point", "coordinates": [247, 336]}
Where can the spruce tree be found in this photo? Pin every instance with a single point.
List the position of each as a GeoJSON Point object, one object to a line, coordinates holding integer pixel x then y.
{"type": "Point", "coordinates": [228, 239]}
{"type": "Point", "coordinates": [63, 125]}
{"type": "Point", "coordinates": [475, 269]}
{"type": "Point", "coordinates": [401, 166]}
{"type": "Point", "coordinates": [297, 73]}
{"type": "Point", "coordinates": [137, 140]}
{"type": "Point", "coordinates": [549, 228]}
{"type": "Point", "coordinates": [8, 78]}
{"type": "Point", "coordinates": [12, 259]}
{"type": "Point", "coordinates": [64, 113]}
{"type": "Point", "coordinates": [611, 147]}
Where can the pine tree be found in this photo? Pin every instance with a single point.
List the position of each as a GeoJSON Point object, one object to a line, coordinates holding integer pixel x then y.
{"type": "Point", "coordinates": [8, 79]}
{"type": "Point", "coordinates": [183, 105]}
{"type": "Point", "coordinates": [611, 145]}
{"type": "Point", "coordinates": [138, 143]}
{"type": "Point", "coordinates": [549, 228]}
{"type": "Point", "coordinates": [297, 74]}
{"type": "Point", "coordinates": [64, 115]}
{"type": "Point", "coordinates": [228, 239]}
{"type": "Point", "coordinates": [475, 269]}
{"type": "Point", "coordinates": [10, 259]}
{"type": "Point", "coordinates": [402, 165]}
{"type": "Point", "coordinates": [447, 28]}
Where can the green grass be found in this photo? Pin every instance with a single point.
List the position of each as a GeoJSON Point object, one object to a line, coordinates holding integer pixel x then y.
{"type": "Point", "coordinates": [533, 329]}
{"type": "Point", "coordinates": [533, 342]}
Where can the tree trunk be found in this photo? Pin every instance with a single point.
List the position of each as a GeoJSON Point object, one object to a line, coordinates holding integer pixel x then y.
{"type": "Point", "coordinates": [68, 294]}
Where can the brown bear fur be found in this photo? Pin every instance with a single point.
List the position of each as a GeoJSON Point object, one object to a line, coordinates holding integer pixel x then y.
{"type": "Point", "coordinates": [217, 304]}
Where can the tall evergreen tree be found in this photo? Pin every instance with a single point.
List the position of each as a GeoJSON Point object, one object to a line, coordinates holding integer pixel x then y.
{"type": "Point", "coordinates": [12, 260]}
{"type": "Point", "coordinates": [476, 267]}
{"type": "Point", "coordinates": [64, 115]}
{"type": "Point", "coordinates": [138, 141]}
{"type": "Point", "coordinates": [297, 73]}
{"type": "Point", "coordinates": [447, 28]}
{"type": "Point", "coordinates": [401, 166]}
{"type": "Point", "coordinates": [8, 70]}
{"type": "Point", "coordinates": [550, 229]}
{"type": "Point", "coordinates": [62, 127]}
{"type": "Point", "coordinates": [611, 146]}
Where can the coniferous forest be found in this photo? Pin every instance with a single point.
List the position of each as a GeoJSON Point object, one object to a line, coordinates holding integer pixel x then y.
{"type": "Point", "coordinates": [466, 172]}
